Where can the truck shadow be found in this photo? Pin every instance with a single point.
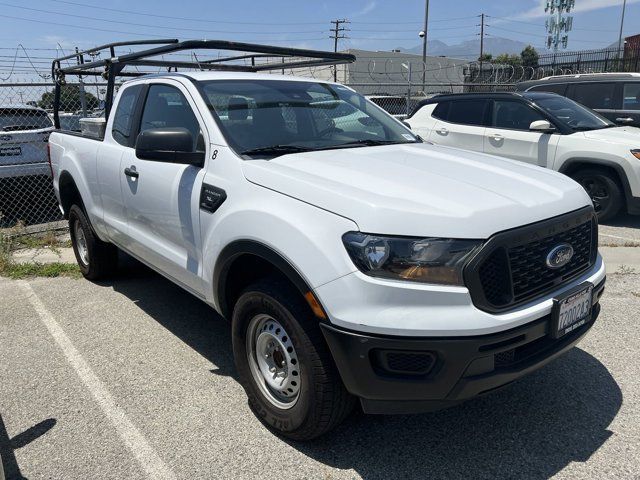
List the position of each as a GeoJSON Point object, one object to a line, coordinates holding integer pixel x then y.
{"type": "Point", "coordinates": [531, 429]}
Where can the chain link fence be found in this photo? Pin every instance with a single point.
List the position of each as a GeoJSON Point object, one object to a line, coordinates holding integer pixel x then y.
{"type": "Point", "coordinates": [27, 200]}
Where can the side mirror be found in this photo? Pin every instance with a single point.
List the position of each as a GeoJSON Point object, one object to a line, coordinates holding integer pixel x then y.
{"type": "Point", "coordinates": [542, 126]}
{"type": "Point", "coordinates": [406, 124]}
{"type": "Point", "coordinates": [171, 145]}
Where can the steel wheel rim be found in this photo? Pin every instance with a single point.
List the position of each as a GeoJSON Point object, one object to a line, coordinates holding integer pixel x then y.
{"type": "Point", "coordinates": [273, 361]}
{"type": "Point", "coordinates": [81, 243]}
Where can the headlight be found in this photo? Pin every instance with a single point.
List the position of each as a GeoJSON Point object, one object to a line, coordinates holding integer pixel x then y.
{"type": "Point", "coordinates": [427, 260]}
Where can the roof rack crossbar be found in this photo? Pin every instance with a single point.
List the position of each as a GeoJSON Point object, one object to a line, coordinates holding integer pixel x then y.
{"type": "Point", "coordinates": [113, 66]}
{"type": "Point", "coordinates": [94, 50]}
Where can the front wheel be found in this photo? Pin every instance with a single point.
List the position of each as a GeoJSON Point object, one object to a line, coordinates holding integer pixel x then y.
{"type": "Point", "coordinates": [605, 192]}
{"type": "Point", "coordinates": [284, 363]}
{"type": "Point", "coordinates": [96, 259]}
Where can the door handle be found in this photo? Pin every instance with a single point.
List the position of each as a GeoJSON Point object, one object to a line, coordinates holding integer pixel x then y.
{"type": "Point", "coordinates": [496, 136]}
{"type": "Point", "coordinates": [624, 120]}
{"type": "Point", "coordinates": [131, 172]}
{"type": "Point", "coordinates": [442, 131]}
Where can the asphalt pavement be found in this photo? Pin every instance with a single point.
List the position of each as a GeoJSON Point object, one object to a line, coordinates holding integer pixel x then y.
{"type": "Point", "coordinates": [134, 378]}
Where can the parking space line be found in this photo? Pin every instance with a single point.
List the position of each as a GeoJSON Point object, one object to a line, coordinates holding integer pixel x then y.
{"type": "Point", "coordinates": [132, 437]}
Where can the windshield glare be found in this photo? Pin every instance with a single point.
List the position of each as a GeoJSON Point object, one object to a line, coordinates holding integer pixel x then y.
{"type": "Point", "coordinates": [572, 114]}
{"type": "Point", "coordinates": [261, 114]}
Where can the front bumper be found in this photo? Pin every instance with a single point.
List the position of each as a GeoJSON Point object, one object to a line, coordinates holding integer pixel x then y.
{"type": "Point", "coordinates": [455, 368]}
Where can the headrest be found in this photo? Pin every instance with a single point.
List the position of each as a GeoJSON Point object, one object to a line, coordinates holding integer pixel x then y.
{"type": "Point", "coordinates": [238, 108]}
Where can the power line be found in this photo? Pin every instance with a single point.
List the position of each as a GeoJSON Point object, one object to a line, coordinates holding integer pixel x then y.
{"type": "Point", "coordinates": [173, 17]}
{"type": "Point", "coordinates": [146, 25]}
{"type": "Point", "coordinates": [126, 32]}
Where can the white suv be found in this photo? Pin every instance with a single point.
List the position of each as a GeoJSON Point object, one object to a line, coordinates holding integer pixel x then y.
{"type": "Point", "coordinates": [542, 129]}
{"type": "Point", "coordinates": [353, 260]}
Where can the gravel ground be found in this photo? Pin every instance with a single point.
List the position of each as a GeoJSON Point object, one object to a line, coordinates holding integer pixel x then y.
{"type": "Point", "coordinates": [135, 379]}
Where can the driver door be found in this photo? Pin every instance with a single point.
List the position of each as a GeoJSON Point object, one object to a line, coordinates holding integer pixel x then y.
{"type": "Point", "coordinates": [508, 134]}
{"type": "Point", "coordinates": [161, 198]}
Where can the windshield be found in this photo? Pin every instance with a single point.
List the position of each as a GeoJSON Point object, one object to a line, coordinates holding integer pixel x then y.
{"type": "Point", "coordinates": [262, 118]}
{"type": "Point", "coordinates": [15, 119]}
{"type": "Point", "coordinates": [572, 114]}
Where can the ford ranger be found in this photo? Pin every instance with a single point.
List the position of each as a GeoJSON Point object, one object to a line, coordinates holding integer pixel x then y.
{"type": "Point", "coordinates": [354, 261]}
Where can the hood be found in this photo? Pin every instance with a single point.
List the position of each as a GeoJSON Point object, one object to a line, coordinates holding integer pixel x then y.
{"type": "Point", "coordinates": [421, 189]}
{"type": "Point", "coordinates": [629, 136]}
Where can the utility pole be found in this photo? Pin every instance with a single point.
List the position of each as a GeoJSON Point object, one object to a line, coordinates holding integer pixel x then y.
{"type": "Point", "coordinates": [336, 30]}
{"type": "Point", "coordinates": [624, 7]}
{"type": "Point", "coordinates": [424, 44]}
{"type": "Point", "coordinates": [481, 38]}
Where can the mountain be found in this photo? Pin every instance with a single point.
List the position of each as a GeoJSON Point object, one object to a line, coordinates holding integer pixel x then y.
{"type": "Point", "coordinates": [469, 49]}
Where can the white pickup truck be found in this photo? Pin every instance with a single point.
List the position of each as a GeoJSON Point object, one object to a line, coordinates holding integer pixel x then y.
{"type": "Point", "coordinates": [354, 262]}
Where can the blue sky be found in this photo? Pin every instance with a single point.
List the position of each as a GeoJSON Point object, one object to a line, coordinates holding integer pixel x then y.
{"type": "Point", "coordinates": [375, 24]}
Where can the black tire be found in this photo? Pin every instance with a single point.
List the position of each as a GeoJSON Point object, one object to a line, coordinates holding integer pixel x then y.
{"type": "Point", "coordinates": [322, 402]}
{"type": "Point", "coordinates": [101, 259]}
{"type": "Point", "coordinates": [604, 190]}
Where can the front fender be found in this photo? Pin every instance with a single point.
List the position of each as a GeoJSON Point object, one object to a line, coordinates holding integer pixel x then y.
{"type": "Point", "coordinates": [307, 238]}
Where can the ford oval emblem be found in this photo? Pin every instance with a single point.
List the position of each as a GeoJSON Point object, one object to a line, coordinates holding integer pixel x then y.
{"type": "Point", "coordinates": [559, 255]}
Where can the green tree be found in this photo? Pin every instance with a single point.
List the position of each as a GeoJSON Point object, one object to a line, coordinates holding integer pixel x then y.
{"type": "Point", "coordinates": [485, 57]}
{"type": "Point", "coordinates": [508, 59]}
{"type": "Point", "coordinates": [69, 99]}
{"type": "Point", "coordinates": [529, 57]}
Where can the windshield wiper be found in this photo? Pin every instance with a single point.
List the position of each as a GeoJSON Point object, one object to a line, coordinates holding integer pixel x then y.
{"type": "Point", "coordinates": [276, 150]}
{"type": "Point", "coordinates": [368, 142]}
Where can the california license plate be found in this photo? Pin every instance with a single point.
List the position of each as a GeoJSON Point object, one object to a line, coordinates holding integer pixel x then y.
{"type": "Point", "coordinates": [571, 311]}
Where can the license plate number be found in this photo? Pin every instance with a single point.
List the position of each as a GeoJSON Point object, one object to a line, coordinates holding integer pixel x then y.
{"type": "Point", "coordinates": [572, 311]}
{"type": "Point", "coordinates": [10, 151]}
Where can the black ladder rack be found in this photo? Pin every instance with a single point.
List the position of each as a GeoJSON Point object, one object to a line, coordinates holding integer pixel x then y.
{"type": "Point", "coordinates": [112, 67]}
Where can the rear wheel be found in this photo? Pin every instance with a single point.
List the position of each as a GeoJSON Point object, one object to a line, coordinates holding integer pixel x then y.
{"type": "Point", "coordinates": [96, 259]}
{"type": "Point", "coordinates": [604, 190]}
{"type": "Point", "coordinates": [284, 363]}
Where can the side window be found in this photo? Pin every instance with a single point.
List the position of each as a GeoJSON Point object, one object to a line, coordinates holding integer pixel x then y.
{"type": "Point", "coordinates": [559, 88]}
{"type": "Point", "coordinates": [123, 118]}
{"type": "Point", "coordinates": [513, 115]}
{"type": "Point", "coordinates": [467, 112]}
{"type": "Point", "coordinates": [631, 96]}
{"type": "Point", "coordinates": [166, 106]}
{"type": "Point", "coordinates": [441, 111]}
{"type": "Point", "coordinates": [595, 95]}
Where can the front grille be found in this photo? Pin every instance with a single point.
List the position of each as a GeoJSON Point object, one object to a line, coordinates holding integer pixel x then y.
{"type": "Point", "coordinates": [529, 272]}
{"type": "Point", "coordinates": [511, 269]}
